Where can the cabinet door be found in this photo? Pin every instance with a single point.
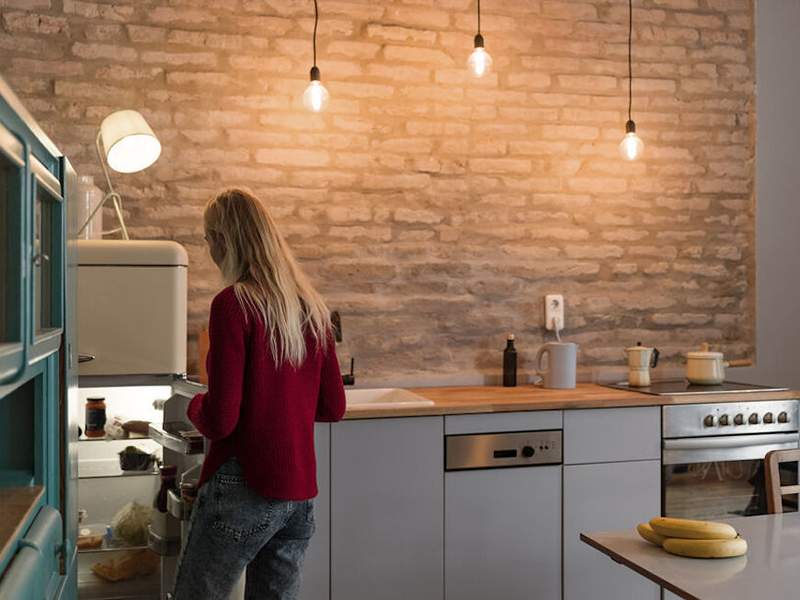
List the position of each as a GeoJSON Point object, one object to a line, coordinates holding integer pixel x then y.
{"type": "Point", "coordinates": [12, 192]}
{"type": "Point", "coordinates": [387, 509]}
{"type": "Point", "coordinates": [47, 260]}
{"type": "Point", "coordinates": [25, 577]}
{"type": "Point", "coordinates": [503, 534]}
{"type": "Point", "coordinates": [317, 566]}
{"type": "Point", "coordinates": [604, 497]}
{"type": "Point", "coordinates": [46, 536]}
{"type": "Point", "coordinates": [612, 435]}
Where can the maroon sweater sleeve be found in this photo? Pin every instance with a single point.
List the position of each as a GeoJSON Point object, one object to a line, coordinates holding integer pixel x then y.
{"type": "Point", "coordinates": [331, 402]}
{"type": "Point", "coordinates": [216, 413]}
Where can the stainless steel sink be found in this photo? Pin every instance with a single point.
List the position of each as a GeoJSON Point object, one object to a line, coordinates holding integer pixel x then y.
{"type": "Point", "coordinates": [384, 398]}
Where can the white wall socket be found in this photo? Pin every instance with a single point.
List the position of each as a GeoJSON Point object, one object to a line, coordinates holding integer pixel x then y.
{"type": "Point", "coordinates": [553, 311]}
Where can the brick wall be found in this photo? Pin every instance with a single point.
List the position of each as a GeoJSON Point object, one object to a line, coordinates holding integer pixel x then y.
{"type": "Point", "coordinates": [434, 211]}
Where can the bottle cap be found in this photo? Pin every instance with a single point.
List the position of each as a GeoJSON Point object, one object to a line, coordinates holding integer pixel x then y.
{"type": "Point", "coordinates": [510, 337]}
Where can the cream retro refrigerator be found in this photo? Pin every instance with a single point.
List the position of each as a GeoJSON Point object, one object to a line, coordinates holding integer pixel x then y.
{"type": "Point", "coordinates": [132, 350]}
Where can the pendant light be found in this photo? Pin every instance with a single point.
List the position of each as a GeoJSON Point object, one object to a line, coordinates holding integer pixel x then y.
{"type": "Point", "coordinates": [479, 61]}
{"type": "Point", "coordinates": [315, 98]}
{"type": "Point", "coordinates": [631, 146]}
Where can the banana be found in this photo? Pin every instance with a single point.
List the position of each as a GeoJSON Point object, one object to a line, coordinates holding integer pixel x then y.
{"type": "Point", "coordinates": [648, 534]}
{"type": "Point", "coordinates": [706, 548]}
{"type": "Point", "coordinates": [694, 530]}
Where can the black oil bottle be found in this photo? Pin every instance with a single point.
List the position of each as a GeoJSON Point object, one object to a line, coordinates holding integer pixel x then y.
{"type": "Point", "coordinates": [510, 363]}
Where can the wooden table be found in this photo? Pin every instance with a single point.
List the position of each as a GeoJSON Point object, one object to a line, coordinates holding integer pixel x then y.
{"type": "Point", "coordinates": [769, 571]}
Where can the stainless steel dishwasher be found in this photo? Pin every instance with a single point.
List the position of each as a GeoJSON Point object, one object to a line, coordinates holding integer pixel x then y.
{"type": "Point", "coordinates": [503, 516]}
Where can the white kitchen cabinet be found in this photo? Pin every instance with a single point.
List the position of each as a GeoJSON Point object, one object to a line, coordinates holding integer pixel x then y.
{"type": "Point", "coordinates": [317, 566]}
{"type": "Point", "coordinates": [387, 509]}
{"type": "Point", "coordinates": [612, 435]}
{"type": "Point", "coordinates": [511, 421]}
{"type": "Point", "coordinates": [503, 534]}
{"type": "Point", "coordinates": [605, 497]}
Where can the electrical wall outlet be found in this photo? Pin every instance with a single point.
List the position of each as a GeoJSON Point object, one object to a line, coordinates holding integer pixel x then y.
{"type": "Point", "coordinates": [553, 311]}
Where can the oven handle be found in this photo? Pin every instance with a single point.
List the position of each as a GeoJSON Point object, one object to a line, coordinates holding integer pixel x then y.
{"type": "Point", "coordinates": [731, 441]}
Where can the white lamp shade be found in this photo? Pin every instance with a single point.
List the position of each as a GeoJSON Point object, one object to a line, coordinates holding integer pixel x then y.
{"type": "Point", "coordinates": [128, 142]}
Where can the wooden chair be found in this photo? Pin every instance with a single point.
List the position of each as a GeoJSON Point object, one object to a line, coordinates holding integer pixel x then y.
{"type": "Point", "coordinates": [776, 491]}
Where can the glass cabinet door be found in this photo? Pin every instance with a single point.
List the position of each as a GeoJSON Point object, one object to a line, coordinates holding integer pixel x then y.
{"type": "Point", "coordinates": [46, 259]}
{"type": "Point", "coordinates": [12, 191]}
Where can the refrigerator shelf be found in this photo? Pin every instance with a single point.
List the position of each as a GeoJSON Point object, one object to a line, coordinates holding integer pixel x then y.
{"type": "Point", "coordinates": [167, 435]}
{"type": "Point", "coordinates": [104, 549]}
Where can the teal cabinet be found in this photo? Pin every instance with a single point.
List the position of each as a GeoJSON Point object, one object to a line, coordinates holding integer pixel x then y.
{"type": "Point", "coordinates": [12, 186]}
{"type": "Point", "coordinates": [37, 537]}
{"type": "Point", "coordinates": [46, 249]}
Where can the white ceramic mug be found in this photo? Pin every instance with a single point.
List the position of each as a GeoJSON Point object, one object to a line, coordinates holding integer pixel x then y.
{"type": "Point", "coordinates": [562, 364]}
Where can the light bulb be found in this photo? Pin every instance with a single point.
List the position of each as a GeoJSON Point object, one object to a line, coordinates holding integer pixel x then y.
{"type": "Point", "coordinates": [631, 146]}
{"type": "Point", "coordinates": [479, 61]}
{"type": "Point", "coordinates": [315, 98]}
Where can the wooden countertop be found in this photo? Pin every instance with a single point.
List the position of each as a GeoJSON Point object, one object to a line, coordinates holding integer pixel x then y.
{"type": "Point", "coordinates": [16, 503]}
{"type": "Point", "coordinates": [489, 399]}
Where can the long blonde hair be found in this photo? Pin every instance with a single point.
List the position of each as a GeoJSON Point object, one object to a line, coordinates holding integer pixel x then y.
{"type": "Point", "coordinates": [267, 280]}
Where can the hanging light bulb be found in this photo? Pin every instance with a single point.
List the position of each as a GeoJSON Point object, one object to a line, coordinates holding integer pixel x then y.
{"type": "Point", "coordinates": [479, 61]}
{"type": "Point", "coordinates": [315, 98]}
{"type": "Point", "coordinates": [631, 147]}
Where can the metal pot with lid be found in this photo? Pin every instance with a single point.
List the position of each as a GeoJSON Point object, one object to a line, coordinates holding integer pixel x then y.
{"type": "Point", "coordinates": [706, 367]}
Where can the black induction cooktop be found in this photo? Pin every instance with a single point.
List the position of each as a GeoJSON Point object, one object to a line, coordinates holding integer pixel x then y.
{"type": "Point", "coordinates": [681, 387]}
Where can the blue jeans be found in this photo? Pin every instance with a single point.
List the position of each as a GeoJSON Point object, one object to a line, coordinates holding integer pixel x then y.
{"type": "Point", "coordinates": [233, 528]}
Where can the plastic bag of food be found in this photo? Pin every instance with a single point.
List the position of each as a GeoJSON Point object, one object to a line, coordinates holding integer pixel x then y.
{"type": "Point", "coordinates": [130, 523]}
{"type": "Point", "coordinates": [138, 563]}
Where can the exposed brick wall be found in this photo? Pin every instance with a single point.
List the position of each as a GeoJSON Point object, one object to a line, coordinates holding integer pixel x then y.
{"type": "Point", "coordinates": [434, 211]}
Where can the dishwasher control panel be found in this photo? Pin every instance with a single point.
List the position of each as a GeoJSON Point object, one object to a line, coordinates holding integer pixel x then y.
{"type": "Point", "coordinates": [498, 450]}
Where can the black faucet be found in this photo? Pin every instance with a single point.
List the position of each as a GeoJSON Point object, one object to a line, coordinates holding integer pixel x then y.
{"type": "Point", "coordinates": [336, 321]}
{"type": "Point", "coordinates": [350, 378]}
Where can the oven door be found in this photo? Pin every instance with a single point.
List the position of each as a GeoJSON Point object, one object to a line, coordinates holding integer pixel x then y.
{"type": "Point", "coordinates": [720, 477]}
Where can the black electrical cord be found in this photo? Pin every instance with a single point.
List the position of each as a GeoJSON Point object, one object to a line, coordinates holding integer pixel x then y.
{"type": "Point", "coordinates": [630, 59]}
{"type": "Point", "coordinates": [479, 17]}
{"type": "Point", "coordinates": [314, 39]}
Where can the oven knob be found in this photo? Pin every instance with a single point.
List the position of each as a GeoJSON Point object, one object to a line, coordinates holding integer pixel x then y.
{"type": "Point", "coordinates": [709, 421]}
{"type": "Point", "coordinates": [783, 417]}
{"type": "Point", "coordinates": [753, 420]}
{"type": "Point", "coordinates": [768, 418]}
{"type": "Point", "coordinates": [738, 419]}
{"type": "Point", "coordinates": [528, 451]}
{"type": "Point", "coordinates": [724, 421]}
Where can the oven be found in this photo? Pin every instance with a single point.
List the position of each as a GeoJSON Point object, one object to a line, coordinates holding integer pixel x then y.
{"type": "Point", "coordinates": [712, 457]}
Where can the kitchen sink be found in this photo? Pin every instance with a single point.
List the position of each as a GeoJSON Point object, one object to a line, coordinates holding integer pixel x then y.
{"type": "Point", "coordinates": [384, 398]}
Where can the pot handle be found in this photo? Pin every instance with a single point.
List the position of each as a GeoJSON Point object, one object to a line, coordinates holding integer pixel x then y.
{"type": "Point", "coordinates": [741, 362]}
{"type": "Point", "coordinates": [654, 360]}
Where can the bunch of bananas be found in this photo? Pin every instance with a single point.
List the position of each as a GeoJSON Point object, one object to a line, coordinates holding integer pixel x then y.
{"type": "Point", "coordinates": [695, 539]}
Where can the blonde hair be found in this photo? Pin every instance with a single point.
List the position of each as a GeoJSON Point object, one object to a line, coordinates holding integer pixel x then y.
{"type": "Point", "coordinates": [265, 276]}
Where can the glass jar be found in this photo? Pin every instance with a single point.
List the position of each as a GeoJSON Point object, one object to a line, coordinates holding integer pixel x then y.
{"type": "Point", "coordinates": [89, 196]}
{"type": "Point", "coordinates": [169, 481]}
{"type": "Point", "coordinates": [95, 418]}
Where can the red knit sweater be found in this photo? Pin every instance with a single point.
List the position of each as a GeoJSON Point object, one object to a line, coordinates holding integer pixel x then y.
{"type": "Point", "coordinates": [261, 413]}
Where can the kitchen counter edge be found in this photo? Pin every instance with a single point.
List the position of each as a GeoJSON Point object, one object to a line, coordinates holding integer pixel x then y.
{"type": "Point", "coordinates": [491, 399]}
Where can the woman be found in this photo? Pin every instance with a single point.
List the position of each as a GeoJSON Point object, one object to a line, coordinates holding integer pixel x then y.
{"type": "Point", "coordinates": [272, 372]}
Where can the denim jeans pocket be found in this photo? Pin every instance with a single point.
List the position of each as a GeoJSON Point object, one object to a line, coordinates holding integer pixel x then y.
{"type": "Point", "coordinates": [240, 513]}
